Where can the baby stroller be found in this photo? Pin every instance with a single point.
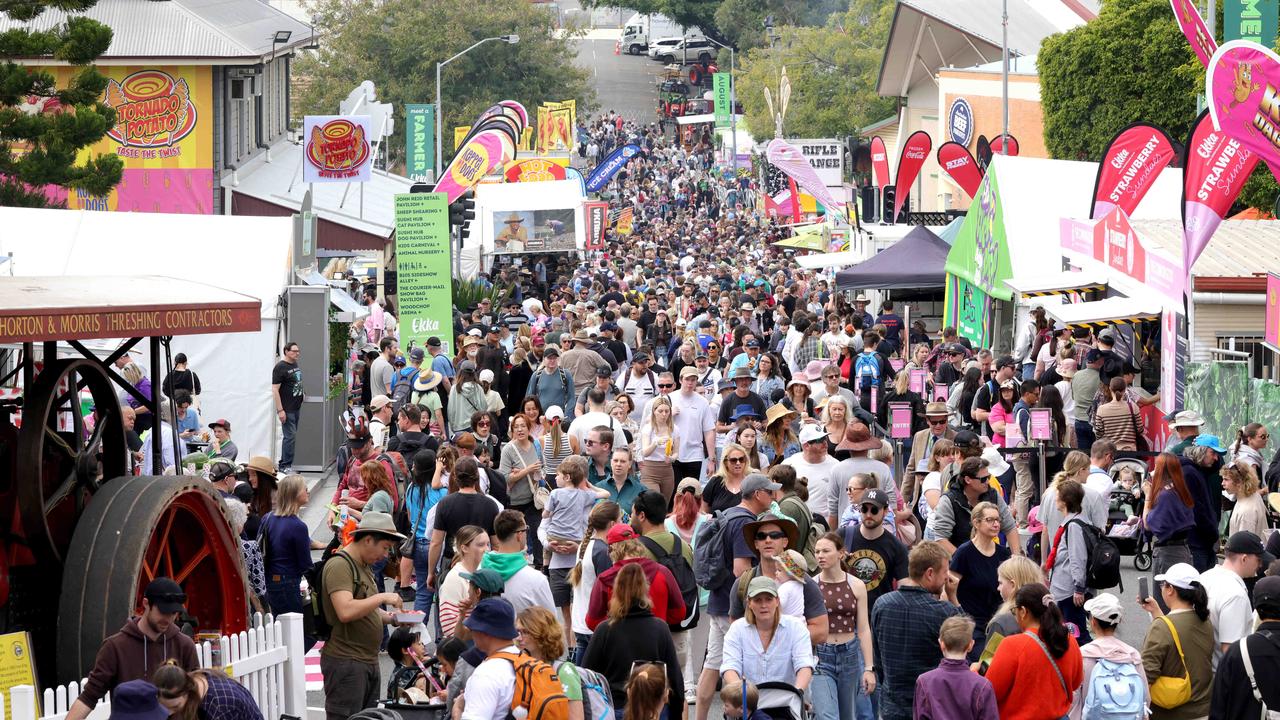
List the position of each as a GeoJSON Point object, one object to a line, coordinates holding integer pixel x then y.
{"type": "Point", "coordinates": [781, 701]}
{"type": "Point", "coordinates": [1124, 511]}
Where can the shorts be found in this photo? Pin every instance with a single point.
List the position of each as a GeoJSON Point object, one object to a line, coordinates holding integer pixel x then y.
{"type": "Point", "coordinates": [715, 641]}
{"type": "Point", "coordinates": [561, 590]}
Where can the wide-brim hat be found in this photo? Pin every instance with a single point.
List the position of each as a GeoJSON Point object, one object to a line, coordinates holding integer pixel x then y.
{"type": "Point", "coordinates": [813, 371]}
{"type": "Point", "coordinates": [581, 336]}
{"type": "Point", "coordinates": [137, 700]}
{"type": "Point", "coordinates": [776, 412]}
{"type": "Point", "coordinates": [857, 437]}
{"type": "Point", "coordinates": [937, 409]}
{"type": "Point", "coordinates": [428, 379]}
{"type": "Point", "coordinates": [377, 523]}
{"type": "Point", "coordinates": [788, 527]}
{"type": "Point", "coordinates": [262, 464]}
{"type": "Point", "coordinates": [470, 340]}
{"type": "Point", "coordinates": [514, 218]}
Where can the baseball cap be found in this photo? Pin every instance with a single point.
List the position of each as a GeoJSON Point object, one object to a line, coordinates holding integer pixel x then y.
{"type": "Point", "coordinates": [474, 332]}
{"type": "Point", "coordinates": [493, 616]}
{"type": "Point", "coordinates": [1213, 442]}
{"type": "Point", "coordinates": [165, 595]}
{"type": "Point", "coordinates": [433, 341]}
{"type": "Point", "coordinates": [379, 401]}
{"type": "Point", "coordinates": [1247, 543]}
{"type": "Point", "coordinates": [223, 422]}
{"type": "Point", "coordinates": [690, 485]}
{"type": "Point", "coordinates": [494, 329]}
{"type": "Point", "coordinates": [1180, 575]}
{"type": "Point", "coordinates": [554, 413]}
{"type": "Point", "coordinates": [761, 585]}
{"type": "Point", "coordinates": [551, 351]}
{"type": "Point", "coordinates": [810, 433]}
{"type": "Point", "coordinates": [487, 579]}
{"type": "Point", "coordinates": [640, 357]}
{"type": "Point", "coordinates": [603, 372]}
{"type": "Point", "coordinates": [486, 375]}
{"type": "Point", "coordinates": [753, 343]}
{"type": "Point", "coordinates": [417, 354]}
{"type": "Point", "coordinates": [1005, 361]}
{"type": "Point", "coordinates": [608, 326]}
{"type": "Point", "coordinates": [755, 482]}
{"type": "Point", "coordinates": [1266, 595]}
{"type": "Point", "coordinates": [620, 532]}
{"type": "Point", "coordinates": [1094, 355]}
{"type": "Point", "coordinates": [688, 371]}
{"type": "Point", "coordinates": [876, 497]}
{"type": "Point", "coordinates": [1105, 607]}
{"type": "Point", "coordinates": [466, 366]}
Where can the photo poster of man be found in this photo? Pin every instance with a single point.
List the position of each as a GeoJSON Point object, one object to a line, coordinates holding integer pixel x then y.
{"type": "Point", "coordinates": [526, 231]}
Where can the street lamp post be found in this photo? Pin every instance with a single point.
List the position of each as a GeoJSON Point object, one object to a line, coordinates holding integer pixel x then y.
{"type": "Point", "coordinates": [733, 104]}
{"type": "Point", "coordinates": [510, 40]}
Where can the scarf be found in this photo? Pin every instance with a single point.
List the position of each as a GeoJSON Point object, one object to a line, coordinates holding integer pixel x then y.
{"type": "Point", "coordinates": [505, 564]}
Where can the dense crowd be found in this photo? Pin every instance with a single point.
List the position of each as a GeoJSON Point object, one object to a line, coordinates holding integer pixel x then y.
{"type": "Point", "coordinates": [663, 471]}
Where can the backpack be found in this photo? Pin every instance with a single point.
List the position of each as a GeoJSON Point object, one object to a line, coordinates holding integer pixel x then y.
{"type": "Point", "coordinates": [402, 388]}
{"type": "Point", "coordinates": [808, 543]}
{"type": "Point", "coordinates": [399, 468]}
{"type": "Point", "coordinates": [1115, 692]}
{"type": "Point", "coordinates": [314, 619]}
{"type": "Point", "coordinates": [537, 689]}
{"type": "Point", "coordinates": [1102, 570]}
{"type": "Point", "coordinates": [653, 384]}
{"type": "Point", "coordinates": [597, 697]}
{"type": "Point", "coordinates": [866, 370]}
{"type": "Point", "coordinates": [1266, 713]}
{"type": "Point", "coordinates": [679, 567]}
{"type": "Point", "coordinates": [712, 565]}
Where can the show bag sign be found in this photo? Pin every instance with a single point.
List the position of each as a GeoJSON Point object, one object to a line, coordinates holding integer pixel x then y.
{"type": "Point", "coordinates": [1129, 167]}
{"type": "Point", "coordinates": [337, 148]}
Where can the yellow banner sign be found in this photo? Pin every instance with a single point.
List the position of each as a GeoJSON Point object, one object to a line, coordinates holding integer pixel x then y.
{"type": "Point", "coordinates": [17, 667]}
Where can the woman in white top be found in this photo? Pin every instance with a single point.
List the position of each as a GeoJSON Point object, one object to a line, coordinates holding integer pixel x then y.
{"type": "Point", "coordinates": [658, 442]}
{"type": "Point", "coordinates": [456, 597]}
{"type": "Point", "coordinates": [765, 645]}
{"type": "Point", "coordinates": [1249, 513]}
{"type": "Point", "coordinates": [593, 559]}
{"type": "Point", "coordinates": [944, 453]}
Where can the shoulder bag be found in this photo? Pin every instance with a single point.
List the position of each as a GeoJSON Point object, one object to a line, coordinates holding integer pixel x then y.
{"type": "Point", "coordinates": [1266, 714]}
{"type": "Point", "coordinates": [1052, 663]}
{"type": "Point", "coordinates": [1139, 440]}
{"type": "Point", "coordinates": [1172, 692]}
{"type": "Point", "coordinates": [409, 544]}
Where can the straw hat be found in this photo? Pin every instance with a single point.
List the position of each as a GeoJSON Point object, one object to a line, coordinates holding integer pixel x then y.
{"type": "Point", "coordinates": [776, 412]}
{"type": "Point", "coordinates": [514, 218]}
{"type": "Point", "coordinates": [262, 464]}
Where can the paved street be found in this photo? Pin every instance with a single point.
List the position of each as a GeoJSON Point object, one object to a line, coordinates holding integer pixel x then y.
{"type": "Point", "coordinates": [626, 83]}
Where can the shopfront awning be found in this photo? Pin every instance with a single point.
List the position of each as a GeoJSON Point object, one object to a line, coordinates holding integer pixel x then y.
{"type": "Point", "coordinates": [1102, 313]}
{"type": "Point", "coordinates": [1059, 283]}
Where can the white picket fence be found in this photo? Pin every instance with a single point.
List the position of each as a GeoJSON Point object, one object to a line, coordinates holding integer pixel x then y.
{"type": "Point", "coordinates": [267, 660]}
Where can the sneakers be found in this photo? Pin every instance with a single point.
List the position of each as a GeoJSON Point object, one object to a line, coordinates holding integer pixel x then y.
{"type": "Point", "coordinates": [690, 697]}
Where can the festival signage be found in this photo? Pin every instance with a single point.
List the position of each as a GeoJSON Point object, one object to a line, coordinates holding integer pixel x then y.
{"type": "Point", "coordinates": [482, 153]}
{"type": "Point", "coordinates": [625, 223]}
{"type": "Point", "coordinates": [460, 135]}
{"type": "Point", "coordinates": [1252, 20]}
{"type": "Point", "coordinates": [525, 231]}
{"type": "Point", "coordinates": [792, 162]}
{"type": "Point", "coordinates": [163, 135]}
{"type": "Point", "coordinates": [423, 263]}
{"type": "Point", "coordinates": [1193, 28]}
{"type": "Point", "coordinates": [419, 140]}
{"type": "Point", "coordinates": [899, 420]}
{"type": "Point", "coordinates": [1272, 334]}
{"type": "Point", "coordinates": [596, 214]}
{"type": "Point", "coordinates": [1215, 168]}
{"type": "Point", "coordinates": [610, 166]}
{"type": "Point", "coordinates": [1113, 242]}
{"type": "Point", "coordinates": [918, 379]}
{"type": "Point", "coordinates": [1174, 354]}
{"type": "Point", "coordinates": [573, 173]}
{"type": "Point", "coordinates": [722, 94]}
{"type": "Point", "coordinates": [17, 667]}
{"type": "Point", "coordinates": [1129, 167]}
{"type": "Point", "coordinates": [958, 163]}
{"type": "Point", "coordinates": [960, 122]}
{"type": "Point", "coordinates": [557, 126]}
{"type": "Point", "coordinates": [914, 152]}
{"type": "Point", "coordinates": [535, 170]}
{"type": "Point", "coordinates": [826, 157]}
{"type": "Point", "coordinates": [336, 148]}
{"type": "Point", "coordinates": [1243, 87]}
{"type": "Point", "coordinates": [879, 162]}
{"type": "Point", "coordinates": [1041, 424]}
{"type": "Point", "coordinates": [998, 145]}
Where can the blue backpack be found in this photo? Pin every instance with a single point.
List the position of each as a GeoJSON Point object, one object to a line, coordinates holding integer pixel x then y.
{"type": "Point", "coordinates": [1115, 692]}
{"type": "Point", "coordinates": [866, 370]}
{"type": "Point", "coordinates": [597, 698]}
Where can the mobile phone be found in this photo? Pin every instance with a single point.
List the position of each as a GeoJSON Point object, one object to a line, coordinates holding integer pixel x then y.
{"type": "Point", "coordinates": [1144, 589]}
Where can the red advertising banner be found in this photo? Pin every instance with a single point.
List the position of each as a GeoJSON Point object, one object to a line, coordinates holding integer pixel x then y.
{"type": "Point", "coordinates": [958, 163]}
{"type": "Point", "coordinates": [879, 163]}
{"type": "Point", "coordinates": [1129, 167]}
{"type": "Point", "coordinates": [914, 152]}
{"type": "Point", "coordinates": [597, 214]}
{"type": "Point", "coordinates": [1192, 25]}
{"type": "Point", "coordinates": [997, 145]}
{"type": "Point", "coordinates": [1215, 168]}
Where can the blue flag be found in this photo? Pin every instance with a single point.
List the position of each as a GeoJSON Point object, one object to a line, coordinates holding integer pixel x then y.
{"type": "Point", "coordinates": [610, 166]}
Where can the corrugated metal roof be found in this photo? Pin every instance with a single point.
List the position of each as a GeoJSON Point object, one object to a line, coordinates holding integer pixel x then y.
{"type": "Point", "coordinates": [981, 19]}
{"type": "Point", "coordinates": [229, 29]}
{"type": "Point", "coordinates": [1240, 248]}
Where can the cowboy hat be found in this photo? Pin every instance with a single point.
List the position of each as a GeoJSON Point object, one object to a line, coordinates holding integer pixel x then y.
{"type": "Point", "coordinates": [514, 218]}
{"type": "Point", "coordinates": [470, 340]}
{"type": "Point", "coordinates": [262, 464]}
{"type": "Point", "coordinates": [788, 527]}
{"type": "Point", "coordinates": [775, 413]}
{"type": "Point", "coordinates": [857, 437]}
{"type": "Point", "coordinates": [581, 336]}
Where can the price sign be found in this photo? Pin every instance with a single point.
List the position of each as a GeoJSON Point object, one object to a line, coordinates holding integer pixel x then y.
{"type": "Point", "coordinates": [940, 392]}
{"type": "Point", "coordinates": [899, 420]}
{"type": "Point", "coordinates": [918, 379]}
{"type": "Point", "coordinates": [1041, 424]}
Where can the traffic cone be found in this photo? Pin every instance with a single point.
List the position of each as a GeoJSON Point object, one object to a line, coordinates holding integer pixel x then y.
{"type": "Point", "coordinates": [617, 48]}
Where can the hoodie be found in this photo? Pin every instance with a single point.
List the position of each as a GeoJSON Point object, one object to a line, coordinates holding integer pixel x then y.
{"type": "Point", "coordinates": [131, 655]}
{"type": "Point", "coordinates": [523, 586]}
{"type": "Point", "coordinates": [664, 592]}
{"type": "Point", "coordinates": [1117, 651]}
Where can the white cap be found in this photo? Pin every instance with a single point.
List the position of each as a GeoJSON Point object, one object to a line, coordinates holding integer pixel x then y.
{"type": "Point", "coordinates": [486, 375]}
{"type": "Point", "coordinates": [811, 432]}
{"type": "Point", "coordinates": [1180, 575]}
{"type": "Point", "coordinates": [1105, 607]}
{"type": "Point", "coordinates": [554, 413]}
{"type": "Point", "coordinates": [474, 332]}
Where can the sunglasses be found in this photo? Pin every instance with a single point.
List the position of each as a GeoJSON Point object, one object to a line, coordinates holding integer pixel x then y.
{"type": "Point", "coordinates": [735, 460]}
{"type": "Point", "coordinates": [942, 421]}
{"type": "Point", "coordinates": [484, 423]}
{"type": "Point", "coordinates": [771, 535]}
{"type": "Point", "coordinates": [666, 386]}
{"type": "Point", "coordinates": [871, 509]}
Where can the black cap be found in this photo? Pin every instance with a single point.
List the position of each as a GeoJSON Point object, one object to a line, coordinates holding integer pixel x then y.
{"type": "Point", "coordinates": [1006, 361]}
{"type": "Point", "coordinates": [1093, 356]}
{"type": "Point", "coordinates": [494, 329]}
{"type": "Point", "coordinates": [1266, 597]}
{"type": "Point", "coordinates": [165, 595]}
{"type": "Point", "coordinates": [1247, 543]}
{"type": "Point", "coordinates": [433, 341]}
{"type": "Point", "coordinates": [876, 497]}
{"type": "Point", "coordinates": [640, 357]}
{"type": "Point", "coordinates": [603, 372]}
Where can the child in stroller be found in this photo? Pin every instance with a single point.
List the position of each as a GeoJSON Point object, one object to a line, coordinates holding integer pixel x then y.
{"type": "Point", "coordinates": [1124, 512]}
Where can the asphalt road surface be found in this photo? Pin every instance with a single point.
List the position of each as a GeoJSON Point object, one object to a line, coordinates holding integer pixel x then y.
{"type": "Point", "coordinates": [625, 83]}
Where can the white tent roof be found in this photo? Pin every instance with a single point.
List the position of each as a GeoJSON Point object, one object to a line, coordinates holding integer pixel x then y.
{"type": "Point", "coordinates": [248, 255]}
{"type": "Point", "coordinates": [1108, 311]}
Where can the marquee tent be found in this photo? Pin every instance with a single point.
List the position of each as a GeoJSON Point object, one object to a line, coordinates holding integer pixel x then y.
{"type": "Point", "coordinates": [916, 262]}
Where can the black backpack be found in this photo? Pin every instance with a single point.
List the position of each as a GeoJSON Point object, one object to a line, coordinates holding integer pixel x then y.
{"type": "Point", "coordinates": [1102, 570]}
{"type": "Point", "coordinates": [315, 622]}
{"type": "Point", "coordinates": [679, 567]}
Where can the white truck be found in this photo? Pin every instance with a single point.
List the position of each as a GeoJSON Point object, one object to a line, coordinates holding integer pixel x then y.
{"type": "Point", "coordinates": [640, 30]}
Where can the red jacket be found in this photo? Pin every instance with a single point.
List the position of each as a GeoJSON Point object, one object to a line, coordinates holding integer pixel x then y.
{"type": "Point", "coordinates": [664, 592]}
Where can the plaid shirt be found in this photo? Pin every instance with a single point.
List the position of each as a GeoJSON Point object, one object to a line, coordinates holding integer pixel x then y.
{"type": "Point", "coordinates": [228, 700]}
{"type": "Point", "coordinates": [904, 628]}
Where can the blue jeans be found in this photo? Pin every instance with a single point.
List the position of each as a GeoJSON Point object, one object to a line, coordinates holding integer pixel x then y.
{"type": "Point", "coordinates": [837, 684]}
{"type": "Point", "coordinates": [580, 648]}
{"type": "Point", "coordinates": [1084, 435]}
{"type": "Point", "coordinates": [290, 429]}
{"type": "Point", "coordinates": [284, 596]}
{"type": "Point", "coordinates": [424, 595]}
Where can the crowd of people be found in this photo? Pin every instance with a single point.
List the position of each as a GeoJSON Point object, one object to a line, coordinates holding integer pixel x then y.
{"type": "Point", "coordinates": [658, 480]}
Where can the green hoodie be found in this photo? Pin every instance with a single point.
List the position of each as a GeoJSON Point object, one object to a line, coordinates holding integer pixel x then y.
{"type": "Point", "coordinates": [505, 564]}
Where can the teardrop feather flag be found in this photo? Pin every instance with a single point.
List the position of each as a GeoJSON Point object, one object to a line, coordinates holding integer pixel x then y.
{"type": "Point", "coordinates": [958, 163]}
{"type": "Point", "coordinates": [914, 152]}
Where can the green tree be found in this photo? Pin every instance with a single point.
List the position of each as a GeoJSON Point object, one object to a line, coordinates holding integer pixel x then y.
{"type": "Point", "coordinates": [689, 13]}
{"type": "Point", "coordinates": [397, 43]}
{"type": "Point", "coordinates": [38, 149]}
{"type": "Point", "coordinates": [1130, 64]}
{"type": "Point", "coordinates": [832, 69]}
{"type": "Point", "coordinates": [742, 21]}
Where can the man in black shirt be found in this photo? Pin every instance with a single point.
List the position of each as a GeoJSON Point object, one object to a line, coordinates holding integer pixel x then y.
{"type": "Point", "coordinates": [741, 394]}
{"type": "Point", "coordinates": [468, 506]}
{"type": "Point", "coordinates": [611, 338]}
{"type": "Point", "coordinates": [875, 556]}
{"type": "Point", "coordinates": [286, 391]}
